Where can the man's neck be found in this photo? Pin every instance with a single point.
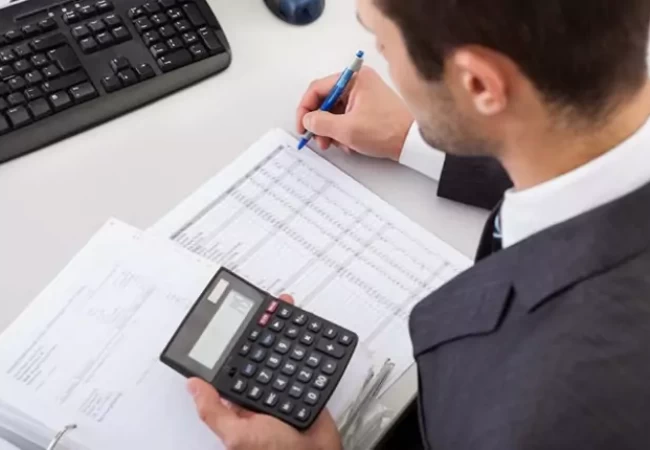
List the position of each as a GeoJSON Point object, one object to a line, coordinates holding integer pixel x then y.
{"type": "Point", "coordinates": [551, 153]}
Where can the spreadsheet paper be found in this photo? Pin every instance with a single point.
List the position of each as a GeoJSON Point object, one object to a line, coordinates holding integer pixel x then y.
{"type": "Point", "coordinates": [291, 222]}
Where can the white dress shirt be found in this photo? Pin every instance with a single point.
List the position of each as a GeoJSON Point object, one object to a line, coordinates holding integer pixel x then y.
{"type": "Point", "coordinates": [611, 176]}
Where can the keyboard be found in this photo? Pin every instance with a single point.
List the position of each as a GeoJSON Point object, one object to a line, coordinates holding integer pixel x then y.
{"type": "Point", "coordinates": [67, 66]}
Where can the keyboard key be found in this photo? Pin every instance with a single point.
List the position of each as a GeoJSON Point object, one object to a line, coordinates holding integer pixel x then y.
{"type": "Point", "coordinates": [83, 92]}
{"type": "Point", "coordinates": [307, 338]}
{"type": "Point", "coordinates": [103, 6]}
{"type": "Point", "coordinates": [249, 370]}
{"type": "Point", "coordinates": [105, 39]}
{"type": "Point", "coordinates": [159, 19]}
{"type": "Point", "coordinates": [283, 346]}
{"type": "Point", "coordinates": [174, 43]}
{"type": "Point", "coordinates": [143, 24]}
{"type": "Point", "coordinates": [210, 41]}
{"type": "Point", "coordinates": [315, 325]}
{"type": "Point", "coordinates": [280, 383]}
{"type": "Point", "coordinates": [111, 83]}
{"type": "Point", "coordinates": [14, 35]}
{"type": "Point", "coordinates": [4, 89]}
{"type": "Point", "coordinates": [303, 414]}
{"type": "Point", "coordinates": [112, 20]}
{"type": "Point", "coordinates": [40, 60]}
{"type": "Point", "coordinates": [151, 7]}
{"type": "Point", "coordinates": [166, 4]}
{"type": "Point", "coordinates": [150, 38]}
{"type": "Point", "coordinates": [120, 63]}
{"type": "Point", "coordinates": [127, 77]}
{"type": "Point", "coordinates": [300, 319]}
{"type": "Point", "coordinates": [18, 116]}
{"type": "Point", "coordinates": [70, 17]}
{"type": "Point", "coordinates": [87, 11]}
{"type": "Point", "coordinates": [39, 108]}
{"type": "Point", "coordinates": [255, 393]}
{"type": "Point", "coordinates": [254, 335]}
{"type": "Point", "coordinates": [193, 14]}
{"type": "Point", "coordinates": [298, 353]}
{"type": "Point", "coordinates": [30, 30]}
{"type": "Point", "coordinates": [174, 60]}
{"type": "Point", "coordinates": [190, 38]}
{"type": "Point", "coordinates": [330, 333]}
{"type": "Point", "coordinates": [23, 51]}
{"type": "Point", "coordinates": [121, 34]}
{"type": "Point", "coordinates": [167, 31]}
{"type": "Point", "coordinates": [7, 56]}
{"type": "Point", "coordinates": [182, 26]}
{"type": "Point", "coordinates": [97, 26]}
{"type": "Point", "coordinates": [305, 375]}
{"type": "Point", "coordinates": [329, 367]}
{"type": "Point", "coordinates": [15, 99]}
{"type": "Point", "coordinates": [313, 360]}
{"type": "Point", "coordinates": [292, 332]}
{"type": "Point", "coordinates": [286, 407]}
{"type": "Point", "coordinates": [321, 382]}
{"type": "Point", "coordinates": [6, 72]}
{"type": "Point", "coordinates": [258, 354]}
{"type": "Point", "coordinates": [239, 385]}
{"type": "Point", "coordinates": [175, 14]}
{"type": "Point", "coordinates": [4, 125]}
{"type": "Point", "coordinates": [135, 12]}
{"type": "Point", "coordinates": [245, 349]}
{"type": "Point", "coordinates": [17, 83]}
{"type": "Point", "coordinates": [311, 397]}
{"type": "Point", "coordinates": [265, 376]}
{"type": "Point", "coordinates": [144, 71]}
{"type": "Point", "coordinates": [48, 42]}
{"type": "Point", "coordinates": [3, 104]}
{"type": "Point", "coordinates": [65, 82]}
{"type": "Point", "coordinates": [345, 339]}
{"type": "Point", "coordinates": [47, 24]}
{"type": "Point", "coordinates": [274, 361]}
{"type": "Point", "coordinates": [158, 50]}
{"type": "Point", "coordinates": [277, 325]}
{"type": "Point", "coordinates": [88, 45]}
{"type": "Point", "coordinates": [33, 93]}
{"type": "Point", "coordinates": [289, 368]}
{"type": "Point", "coordinates": [80, 32]}
{"type": "Point", "coordinates": [51, 71]}
{"type": "Point", "coordinates": [198, 52]}
{"type": "Point", "coordinates": [329, 348]}
{"type": "Point", "coordinates": [65, 58]}
{"type": "Point", "coordinates": [271, 399]}
{"type": "Point", "coordinates": [60, 100]}
{"type": "Point", "coordinates": [296, 390]}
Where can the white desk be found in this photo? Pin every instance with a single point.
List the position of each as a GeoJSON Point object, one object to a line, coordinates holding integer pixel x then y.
{"type": "Point", "coordinates": [139, 166]}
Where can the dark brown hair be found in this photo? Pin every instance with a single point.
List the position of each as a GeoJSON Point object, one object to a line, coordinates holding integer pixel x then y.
{"type": "Point", "coordinates": [578, 53]}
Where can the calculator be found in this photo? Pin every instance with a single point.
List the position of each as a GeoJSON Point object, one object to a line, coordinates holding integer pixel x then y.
{"type": "Point", "coordinates": [260, 352]}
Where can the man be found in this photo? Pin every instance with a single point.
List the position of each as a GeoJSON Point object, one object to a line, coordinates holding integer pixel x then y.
{"type": "Point", "coordinates": [544, 343]}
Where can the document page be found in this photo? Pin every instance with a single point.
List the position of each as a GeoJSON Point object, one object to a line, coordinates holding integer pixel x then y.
{"type": "Point", "coordinates": [291, 222]}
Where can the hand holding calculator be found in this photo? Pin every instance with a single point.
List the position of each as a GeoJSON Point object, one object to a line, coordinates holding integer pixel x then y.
{"type": "Point", "coordinates": [260, 352]}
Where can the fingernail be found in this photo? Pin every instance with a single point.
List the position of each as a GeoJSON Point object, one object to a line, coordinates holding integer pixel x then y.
{"type": "Point", "coordinates": [307, 121]}
{"type": "Point", "coordinates": [193, 388]}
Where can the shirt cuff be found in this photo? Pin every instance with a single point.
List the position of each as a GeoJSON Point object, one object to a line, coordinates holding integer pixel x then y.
{"type": "Point", "coordinates": [418, 155]}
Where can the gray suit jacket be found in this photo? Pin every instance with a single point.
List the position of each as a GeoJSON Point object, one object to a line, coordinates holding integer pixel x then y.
{"type": "Point", "coordinates": [544, 345]}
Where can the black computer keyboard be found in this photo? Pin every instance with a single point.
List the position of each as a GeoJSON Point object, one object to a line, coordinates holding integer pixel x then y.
{"type": "Point", "coordinates": [66, 66]}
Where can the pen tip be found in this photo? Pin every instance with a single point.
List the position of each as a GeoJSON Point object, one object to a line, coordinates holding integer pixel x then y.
{"type": "Point", "coordinates": [360, 54]}
{"type": "Point", "coordinates": [302, 144]}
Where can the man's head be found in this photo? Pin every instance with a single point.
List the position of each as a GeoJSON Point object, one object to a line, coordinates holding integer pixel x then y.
{"type": "Point", "coordinates": [474, 71]}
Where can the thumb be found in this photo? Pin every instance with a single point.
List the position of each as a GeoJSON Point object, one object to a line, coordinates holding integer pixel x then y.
{"type": "Point", "coordinates": [215, 414]}
{"type": "Point", "coordinates": [325, 124]}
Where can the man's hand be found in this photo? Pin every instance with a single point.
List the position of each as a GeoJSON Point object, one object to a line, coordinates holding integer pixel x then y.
{"type": "Point", "coordinates": [370, 117]}
{"type": "Point", "coordinates": [244, 430]}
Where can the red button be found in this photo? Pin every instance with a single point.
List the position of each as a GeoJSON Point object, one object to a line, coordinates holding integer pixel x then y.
{"type": "Point", "coordinates": [264, 320]}
{"type": "Point", "coordinates": [272, 306]}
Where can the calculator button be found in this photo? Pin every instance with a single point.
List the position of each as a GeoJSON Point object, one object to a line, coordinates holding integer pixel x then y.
{"type": "Point", "coordinates": [273, 305]}
{"type": "Point", "coordinates": [239, 386]}
{"type": "Point", "coordinates": [284, 312]}
{"type": "Point", "coordinates": [305, 375]}
{"type": "Point", "coordinates": [296, 390]}
{"type": "Point", "coordinates": [303, 414]}
{"type": "Point", "coordinates": [274, 361]}
{"type": "Point", "coordinates": [329, 367]}
{"type": "Point", "coordinates": [313, 360]}
{"type": "Point", "coordinates": [264, 320]}
{"type": "Point", "coordinates": [264, 377]}
{"type": "Point", "coordinates": [321, 382]}
{"type": "Point", "coordinates": [280, 383]}
{"type": "Point", "coordinates": [286, 407]}
{"type": "Point", "coordinates": [268, 339]}
{"type": "Point", "coordinates": [254, 335]}
{"type": "Point", "coordinates": [300, 319]}
{"type": "Point", "coordinates": [298, 353]}
{"type": "Point", "coordinates": [345, 339]}
{"type": "Point", "coordinates": [283, 346]}
{"type": "Point", "coordinates": [307, 339]}
{"type": "Point", "coordinates": [315, 325]}
{"type": "Point", "coordinates": [330, 333]}
{"type": "Point", "coordinates": [331, 349]}
{"type": "Point", "coordinates": [258, 355]}
{"type": "Point", "coordinates": [311, 397]}
{"type": "Point", "coordinates": [249, 370]}
{"type": "Point", "coordinates": [277, 325]}
{"type": "Point", "coordinates": [245, 349]}
{"type": "Point", "coordinates": [289, 368]}
{"type": "Point", "coordinates": [255, 393]}
{"type": "Point", "coordinates": [292, 332]}
{"type": "Point", "coordinates": [271, 399]}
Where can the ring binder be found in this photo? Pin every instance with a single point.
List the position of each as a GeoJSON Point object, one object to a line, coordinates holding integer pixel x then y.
{"type": "Point", "coordinates": [52, 445]}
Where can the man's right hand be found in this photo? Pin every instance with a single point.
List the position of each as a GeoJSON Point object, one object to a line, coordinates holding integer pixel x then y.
{"type": "Point", "coordinates": [370, 117]}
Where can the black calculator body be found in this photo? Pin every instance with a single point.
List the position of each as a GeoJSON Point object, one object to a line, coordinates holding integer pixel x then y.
{"type": "Point", "coordinates": [260, 352]}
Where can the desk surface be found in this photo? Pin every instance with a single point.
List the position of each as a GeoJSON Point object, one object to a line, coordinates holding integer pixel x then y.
{"type": "Point", "coordinates": [139, 166]}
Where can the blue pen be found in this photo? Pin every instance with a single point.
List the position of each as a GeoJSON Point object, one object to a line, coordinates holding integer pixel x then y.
{"type": "Point", "coordinates": [336, 92]}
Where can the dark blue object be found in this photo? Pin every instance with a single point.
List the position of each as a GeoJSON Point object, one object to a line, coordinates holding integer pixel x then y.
{"type": "Point", "coordinates": [297, 12]}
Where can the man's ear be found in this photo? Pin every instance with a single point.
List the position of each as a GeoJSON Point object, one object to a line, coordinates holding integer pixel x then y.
{"type": "Point", "coordinates": [481, 79]}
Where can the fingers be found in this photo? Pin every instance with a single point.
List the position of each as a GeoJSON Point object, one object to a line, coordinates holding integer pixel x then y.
{"type": "Point", "coordinates": [313, 98]}
{"type": "Point", "coordinates": [287, 298]}
{"type": "Point", "coordinates": [212, 411]}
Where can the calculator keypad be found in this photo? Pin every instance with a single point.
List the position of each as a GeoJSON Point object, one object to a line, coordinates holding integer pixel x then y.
{"type": "Point", "coordinates": [290, 362]}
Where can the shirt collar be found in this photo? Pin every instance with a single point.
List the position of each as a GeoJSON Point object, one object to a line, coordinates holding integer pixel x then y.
{"type": "Point", "coordinates": [609, 177]}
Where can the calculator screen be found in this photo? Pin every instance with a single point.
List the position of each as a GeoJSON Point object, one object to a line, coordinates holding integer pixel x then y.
{"type": "Point", "coordinates": [221, 329]}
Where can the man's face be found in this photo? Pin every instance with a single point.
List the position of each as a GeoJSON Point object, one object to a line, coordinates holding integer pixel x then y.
{"type": "Point", "coordinates": [445, 123]}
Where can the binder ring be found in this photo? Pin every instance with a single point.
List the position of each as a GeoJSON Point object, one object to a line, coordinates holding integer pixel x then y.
{"type": "Point", "coordinates": [52, 445]}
